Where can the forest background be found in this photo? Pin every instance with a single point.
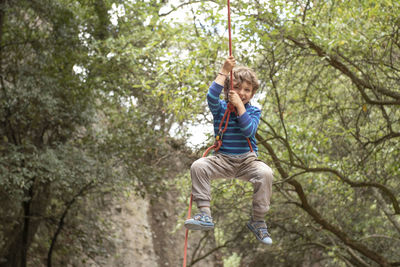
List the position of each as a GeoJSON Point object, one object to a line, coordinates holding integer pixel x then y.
{"type": "Point", "coordinates": [98, 99]}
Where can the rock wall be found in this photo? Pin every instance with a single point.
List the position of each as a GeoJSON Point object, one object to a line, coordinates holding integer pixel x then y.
{"type": "Point", "coordinates": [144, 229]}
{"type": "Point", "coordinates": [132, 235]}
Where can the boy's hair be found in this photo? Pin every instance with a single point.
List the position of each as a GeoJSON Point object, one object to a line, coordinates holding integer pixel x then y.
{"type": "Point", "coordinates": [242, 74]}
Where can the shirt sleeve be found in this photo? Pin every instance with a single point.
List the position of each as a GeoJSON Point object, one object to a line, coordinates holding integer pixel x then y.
{"type": "Point", "coordinates": [249, 121]}
{"type": "Point", "coordinates": [213, 98]}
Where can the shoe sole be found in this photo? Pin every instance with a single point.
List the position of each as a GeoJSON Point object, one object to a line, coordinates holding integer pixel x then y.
{"type": "Point", "coordinates": [259, 239]}
{"type": "Point", "coordinates": [195, 225]}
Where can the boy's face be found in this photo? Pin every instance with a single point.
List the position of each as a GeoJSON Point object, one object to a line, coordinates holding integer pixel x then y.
{"type": "Point", "coordinates": [244, 90]}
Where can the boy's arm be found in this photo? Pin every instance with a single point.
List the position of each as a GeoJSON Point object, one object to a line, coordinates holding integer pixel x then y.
{"type": "Point", "coordinates": [230, 62]}
{"type": "Point", "coordinates": [217, 86]}
{"type": "Point", "coordinates": [248, 121]}
{"type": "Point", "coordinates": [213, 98]}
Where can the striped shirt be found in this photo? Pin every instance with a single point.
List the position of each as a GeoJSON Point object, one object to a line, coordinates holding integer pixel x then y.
{"type": "Point", "coordinates": [234, 140]}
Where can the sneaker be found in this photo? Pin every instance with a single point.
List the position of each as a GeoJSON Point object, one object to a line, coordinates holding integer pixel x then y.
{"type": "Point", "coordinates": [200, 221]}
{"type": "Point", "coordinates": [259, 228]}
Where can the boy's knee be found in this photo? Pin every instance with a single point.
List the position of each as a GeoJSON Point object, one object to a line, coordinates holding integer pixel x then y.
{"type": "Point", "coordinates": [267, 171]}
{"type": "Point", "coordinates": [266, 174]}
{"type": "Point", "coordinates": [198, 164]}
{"type": "Point", "coordinates": [199, 167]}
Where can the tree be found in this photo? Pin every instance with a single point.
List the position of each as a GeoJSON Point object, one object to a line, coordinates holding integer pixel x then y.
{"type": "Point", "coordinates": [81, 118]}
{"type": "Point", "coordinates": [330, 124]}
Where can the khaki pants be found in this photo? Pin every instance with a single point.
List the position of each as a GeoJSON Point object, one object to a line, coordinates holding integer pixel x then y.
{"type": "Point", "coordinates": [245, 167]}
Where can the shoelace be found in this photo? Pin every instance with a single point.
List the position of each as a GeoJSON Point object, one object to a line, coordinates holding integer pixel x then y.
{"type": "Point", "coordinates": [262, 229]}
{"type": "Point", "coordinates": [263, 232]}
{"type": "Point", "coordinates": [202, 217]}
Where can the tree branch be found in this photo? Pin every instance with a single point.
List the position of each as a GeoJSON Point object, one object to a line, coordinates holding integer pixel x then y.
{"type": "Point", "coordinates": [239, 234]}
{"type": "Point", "coordinates": [383, 188]}
{"type": "Point", "coordinates": [179, 6]}
{"type": "Point", "coordinates": [318, 218]}
{"type": "Point", "coordinates": [359, 83]}
{"type": "Point", "coordinates": [61, 221]}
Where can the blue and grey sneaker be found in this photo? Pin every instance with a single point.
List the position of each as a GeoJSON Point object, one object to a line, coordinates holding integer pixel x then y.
{"type": "Point", "coordinates": [259, 228]}
{"type": "Point", "coordinates": [200, 221]}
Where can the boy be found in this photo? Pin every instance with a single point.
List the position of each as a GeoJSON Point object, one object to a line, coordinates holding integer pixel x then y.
{"type": "Point", "coordinates": [234, 158]}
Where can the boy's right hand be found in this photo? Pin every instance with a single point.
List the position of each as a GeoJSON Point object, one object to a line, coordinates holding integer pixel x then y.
{"type": "Point", "coordinates": [230, 62]}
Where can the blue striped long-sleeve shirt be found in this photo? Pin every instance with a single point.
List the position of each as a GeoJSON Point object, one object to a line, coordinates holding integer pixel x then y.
{"type": "Point", "coordinates": [234, 141]}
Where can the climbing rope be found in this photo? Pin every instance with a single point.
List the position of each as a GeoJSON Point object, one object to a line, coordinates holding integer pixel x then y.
{"type": "Point", "coordinates": [187, 231]}
{"type": "Point", "coordinates": [218, 139]}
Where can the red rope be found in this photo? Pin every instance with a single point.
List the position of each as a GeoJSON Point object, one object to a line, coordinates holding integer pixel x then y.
{"type": "Point", "coordinates": [187, 231]}
{"type": "Point", "coordinates": [230, 108]}
{"type": "Point", "coordinates": [230, 39]}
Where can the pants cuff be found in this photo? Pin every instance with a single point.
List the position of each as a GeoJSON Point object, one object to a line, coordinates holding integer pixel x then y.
{"type": "Point", "coordinates": [258, 216]}
{"type": "Point", "coordinates": [203, 203]}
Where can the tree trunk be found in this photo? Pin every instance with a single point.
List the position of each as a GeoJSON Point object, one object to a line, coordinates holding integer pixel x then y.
{"type": "Point", "coordinates": [2, 14]}
{"type": "Point", "coordinates": [20, 237]}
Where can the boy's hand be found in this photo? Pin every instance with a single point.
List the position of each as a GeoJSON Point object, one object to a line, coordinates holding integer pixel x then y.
{"type": "Point", "coordinates": [230, 62]}
{"type": "Point", "coordinates": [234, 98]}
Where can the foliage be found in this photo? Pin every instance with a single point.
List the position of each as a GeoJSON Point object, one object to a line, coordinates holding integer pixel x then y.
{"type": "Point", "coordinates": [93, 91]}
{"type": "Point", "coordinates": [329, 73]}
{"type": "Point", "coordinates": [82, 118]}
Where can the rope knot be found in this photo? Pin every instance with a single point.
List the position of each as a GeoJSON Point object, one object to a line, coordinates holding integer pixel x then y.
{"type": "Point", "coordinates": [231, 107]}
